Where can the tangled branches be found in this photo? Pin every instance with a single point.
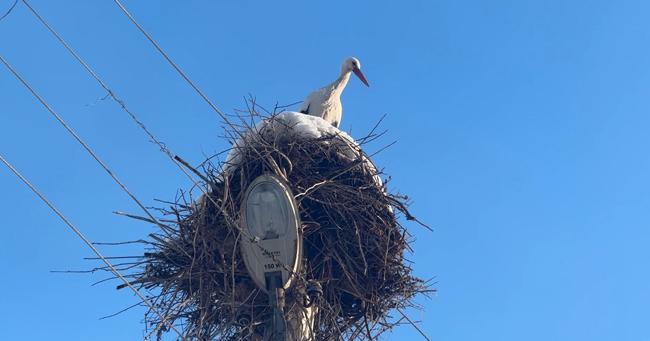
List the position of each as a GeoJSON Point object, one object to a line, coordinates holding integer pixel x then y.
{"type": "Point", "coordinates": [354, 246]}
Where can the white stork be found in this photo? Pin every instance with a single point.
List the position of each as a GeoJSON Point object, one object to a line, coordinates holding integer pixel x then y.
{"type": "Point", "coordinates": [326, 102]}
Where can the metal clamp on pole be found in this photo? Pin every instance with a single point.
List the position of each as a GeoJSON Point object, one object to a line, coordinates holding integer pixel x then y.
{"type": "Point", "coordinates": [278, 323]}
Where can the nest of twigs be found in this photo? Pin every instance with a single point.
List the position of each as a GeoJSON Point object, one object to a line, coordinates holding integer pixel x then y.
{"type": "Point", "coordinates": [354, 245]}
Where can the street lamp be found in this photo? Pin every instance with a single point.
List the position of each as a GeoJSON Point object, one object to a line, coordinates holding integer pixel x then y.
{"type": "Point", "coordinates": [270, 246]}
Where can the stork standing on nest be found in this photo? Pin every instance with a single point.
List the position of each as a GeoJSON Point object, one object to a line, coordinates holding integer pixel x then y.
{"type": "Point", "coordinates": [326, 102]}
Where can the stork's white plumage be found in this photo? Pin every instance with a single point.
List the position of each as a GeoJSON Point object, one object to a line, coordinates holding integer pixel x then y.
{"type": "Point", "coordinates": [326, 102]}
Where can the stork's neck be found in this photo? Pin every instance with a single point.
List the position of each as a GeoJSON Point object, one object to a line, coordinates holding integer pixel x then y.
{"type": "Point", "coordinates": [339, 84]}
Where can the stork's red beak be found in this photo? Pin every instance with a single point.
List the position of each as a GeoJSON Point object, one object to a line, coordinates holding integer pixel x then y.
{"type": "Point", "coordinates": [361, 76]}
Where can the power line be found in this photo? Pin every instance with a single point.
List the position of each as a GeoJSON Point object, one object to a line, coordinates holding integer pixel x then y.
{"type": "Point", "coordinates": [9, 10]}
{"type": "Point", "coordinates": [86, 241]}
{"type": "Point", "coordinates": [96, 77]}
{"type": "Point", "coordinates": [163, 147]}
{"type": "Point", "coordinates": [173, 64]}
{"type": "Point", "coordinates": [81, 141]}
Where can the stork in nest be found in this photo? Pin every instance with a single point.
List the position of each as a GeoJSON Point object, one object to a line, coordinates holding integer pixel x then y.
{"type": "Point", "coordinates": [326, 101]}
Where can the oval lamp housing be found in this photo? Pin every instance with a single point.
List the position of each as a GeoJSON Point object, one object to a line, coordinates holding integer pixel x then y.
{"type": "Point", "coordinates": [270, 245]}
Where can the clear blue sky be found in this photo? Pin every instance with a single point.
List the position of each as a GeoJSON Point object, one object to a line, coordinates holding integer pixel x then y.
{"type": "Point", "coordinates": [523, 131]}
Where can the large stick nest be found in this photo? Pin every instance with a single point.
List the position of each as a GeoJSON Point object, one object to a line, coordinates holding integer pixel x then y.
{"type": "Point", "coordinates": [354, 245]}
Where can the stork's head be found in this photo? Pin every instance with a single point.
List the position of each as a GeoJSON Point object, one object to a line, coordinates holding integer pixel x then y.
{"type": "Point", "coordinates": [354, 65]}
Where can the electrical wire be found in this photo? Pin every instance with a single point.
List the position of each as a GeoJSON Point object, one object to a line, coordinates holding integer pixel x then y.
{"type": "Point", "coordinates": [82, 142]}
{"type": "Point", "coordinates": [9, 10]}
{"type": "Point", "coordinates": [86, 241]}
{"type": "Point", "coordinates": [173, 64]}
{"type": "Point", "coordinates": [163, 147]}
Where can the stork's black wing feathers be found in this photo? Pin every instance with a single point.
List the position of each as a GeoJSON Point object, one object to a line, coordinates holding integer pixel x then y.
{"type": "Point", "coordinates": [305, 111]}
